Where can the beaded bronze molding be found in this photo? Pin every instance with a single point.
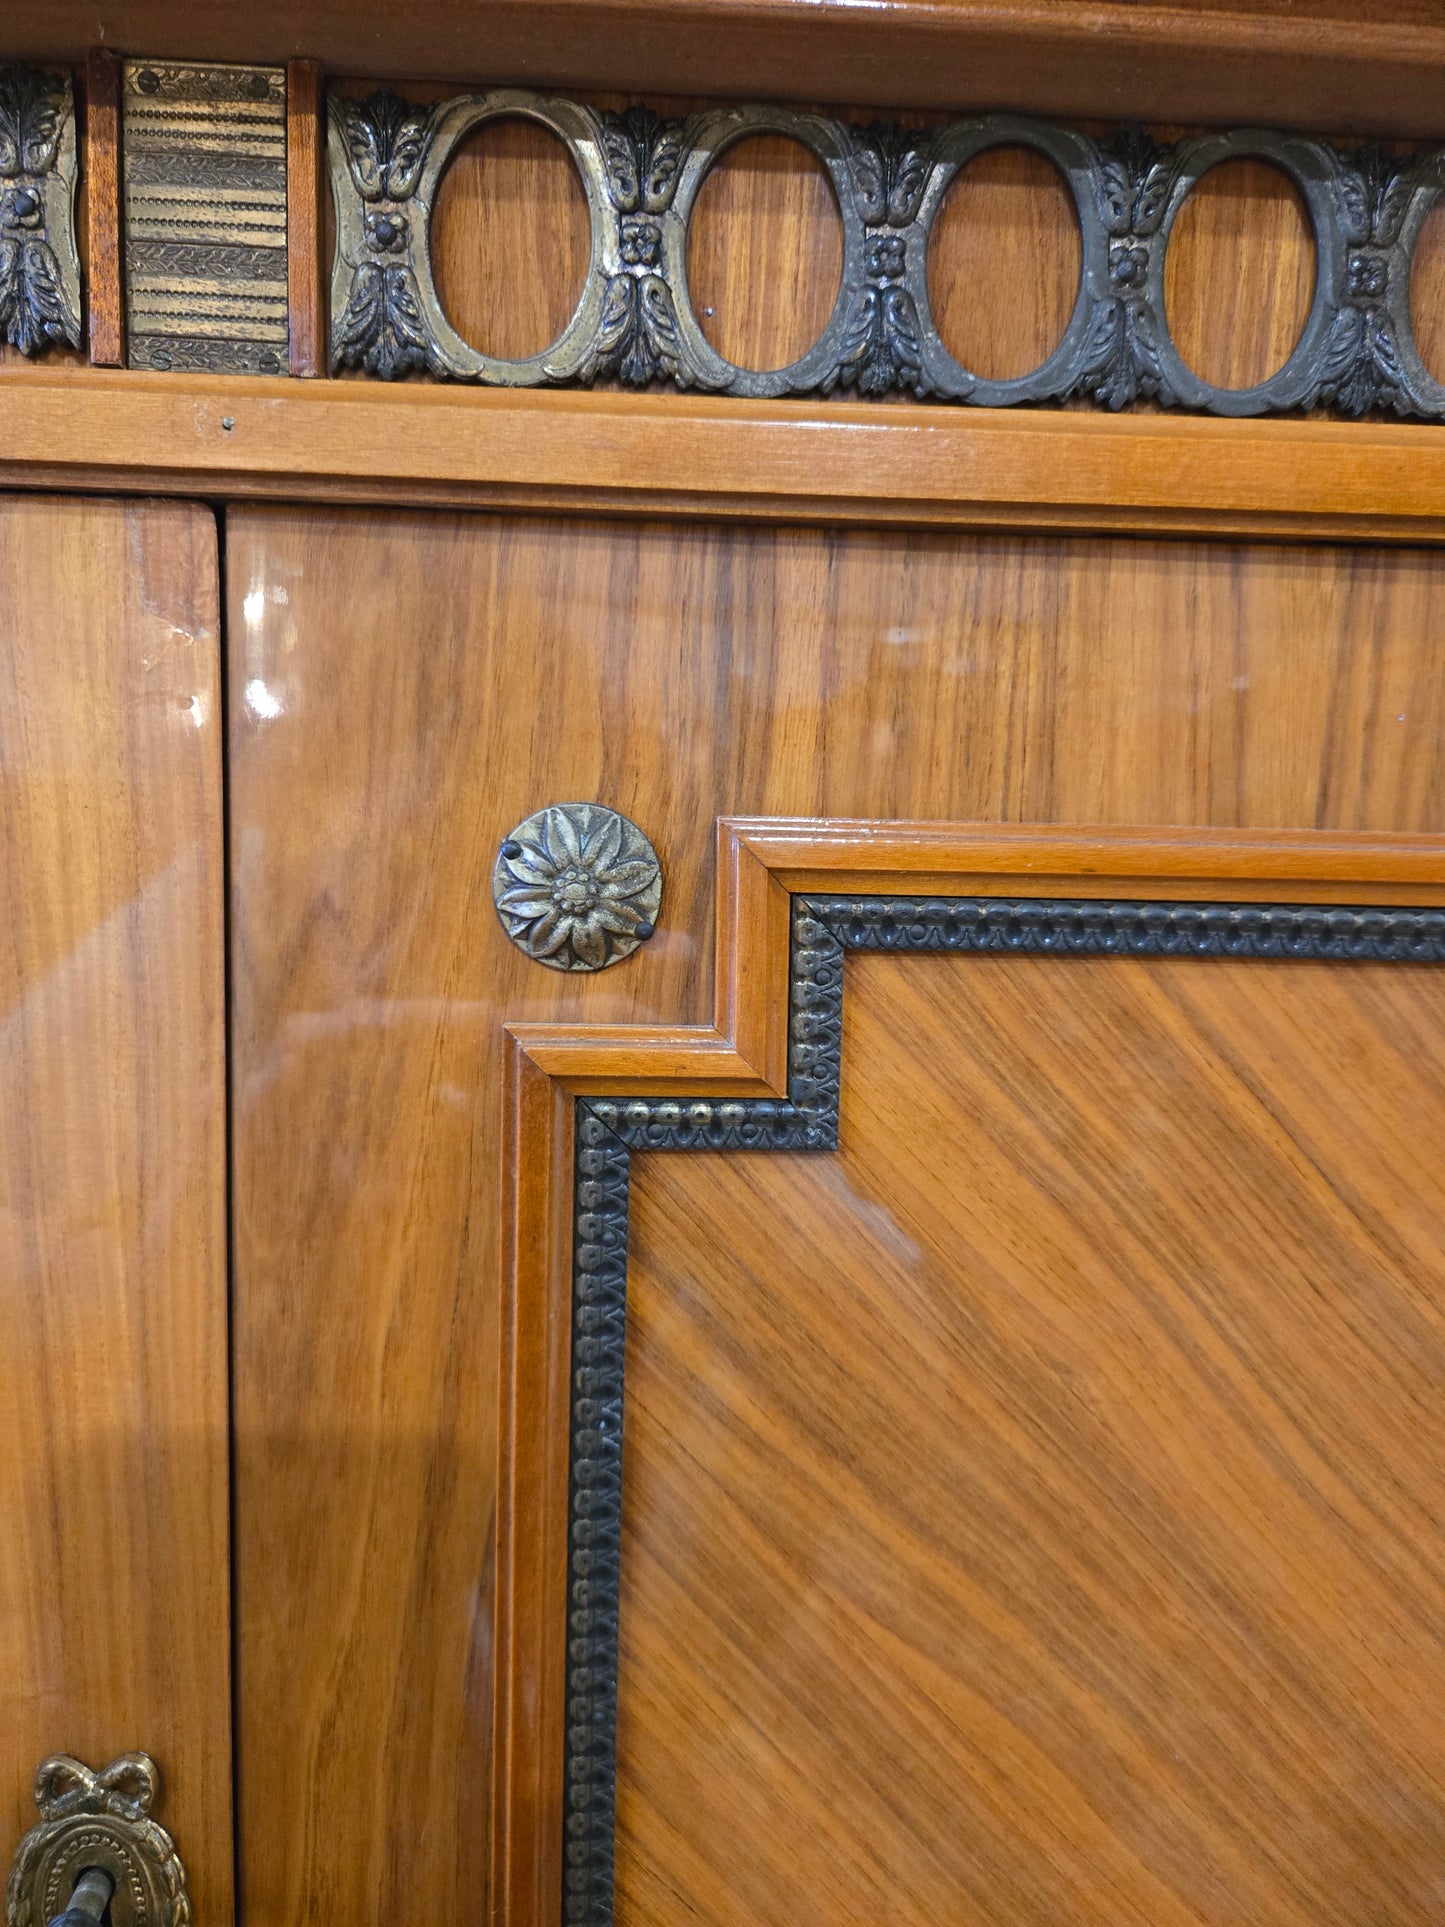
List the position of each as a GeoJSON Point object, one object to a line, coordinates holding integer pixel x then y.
{"type": "Point", "coordinates": [635, 319]}
{"type": "Point", "coordinates": [609, 1130]}
{"type": "Point", "coordinates": [39, 264]}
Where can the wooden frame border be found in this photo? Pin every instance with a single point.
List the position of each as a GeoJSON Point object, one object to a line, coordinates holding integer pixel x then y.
{"type": "Point", "coordinates": [1376, 69]}
{"type": "Point", "coordinates": [762, 863]}
{"type": "Point", "coordinates": [909, 465]}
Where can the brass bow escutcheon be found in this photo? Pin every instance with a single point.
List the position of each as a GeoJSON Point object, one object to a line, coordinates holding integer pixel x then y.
{"type": "Point", "coordinates": [95, 1845]}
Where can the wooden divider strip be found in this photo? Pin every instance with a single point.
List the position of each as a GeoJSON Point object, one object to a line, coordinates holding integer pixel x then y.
{"type": "Point", "coordinates": [305, 266]}
{"type": "Point", "coordinates": [100, 167]}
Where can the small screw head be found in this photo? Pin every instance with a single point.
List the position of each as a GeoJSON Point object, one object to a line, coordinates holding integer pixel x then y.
{"type": "Point", "coordinates": [148, 81]}
{"type": "Point", "coordinates": [228, 422]}
{"type": "Point", "coordinates": [24, 203]}
{"type": "Point", "coordinates": [511, 847]}
{"type": "Point", "coordinates": [260, 87]}
{"type": "Point", "coordinates": [644, 930]}
{"type": "Point", "coordinates": [384, 230]}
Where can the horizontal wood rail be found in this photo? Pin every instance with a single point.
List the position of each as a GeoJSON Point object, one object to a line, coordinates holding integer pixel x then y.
{"type": "Point", "coordinates": [609, 453]}
{"type": "Point", "coordinates": [1376, 70]}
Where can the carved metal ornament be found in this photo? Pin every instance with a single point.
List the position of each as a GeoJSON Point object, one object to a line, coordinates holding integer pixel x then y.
{"type": "Point", "coordinates": [577, 887]}
{"type": "Point", "coordinates": [98, 1820]}
{"type": "Point", "coordinates": [609, 1130]}
{"type": "Point", "coordinates": [39, 265]}
{"type": "Point", "coordinates": [635, 319]}
{"type": "Point", "coordinates": [204, 156]}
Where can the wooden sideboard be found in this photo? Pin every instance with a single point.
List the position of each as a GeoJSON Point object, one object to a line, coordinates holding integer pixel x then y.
{"type": "Point", "coordinates": [863, 1344]}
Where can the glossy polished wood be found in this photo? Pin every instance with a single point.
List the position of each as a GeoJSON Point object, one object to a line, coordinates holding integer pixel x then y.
{"type": "Point", "coordinates": [104, 281]}
{"type": "Point", "coordinates": [1317, 62]}
{"type": "Point", "coordinates": [114, 1587]}
{"type": "Point", "coordinates": [307, 259]}
{"type": "Point", "coordinates": [1239, 274]}
{"type": "Point", "coordinates": [631, 455]}
{"type": "Point", "coordinates": [1030, 1511]}
{"type": "Point", "coordinates": [404, 690]}
{"type": "Point", "coordinates": [511, 238]}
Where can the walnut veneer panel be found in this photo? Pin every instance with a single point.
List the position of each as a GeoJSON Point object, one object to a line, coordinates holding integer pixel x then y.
{"type": "Point", "coordinates": [1032, 1513]}
{"type": "Point", "coordinates": [114, 1585]}
{"type": "Point", "coordinates": [404, 690]}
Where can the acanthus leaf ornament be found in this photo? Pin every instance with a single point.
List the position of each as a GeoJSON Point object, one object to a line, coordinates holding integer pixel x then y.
{"type": "Point", "coordinates": [577, 887]}
{"type": "Point", "coordinates": [882, 345]}
{"type": "Point", "coordinates": [638, 340]}
{"type": "Point", "coordinates": [381, 326]}
{"type": "Point", "coordinates": [1121, 356]}
{"type": "Point", "coordinates": [39, 265]}
{"type": "Point", "coordinates": [1362, 368]}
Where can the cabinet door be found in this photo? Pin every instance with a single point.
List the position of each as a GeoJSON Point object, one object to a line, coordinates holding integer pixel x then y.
{"type": "Point", "coordinates": [975, 1458]}
{"type": "Point", "coordinates": [114, 1584]}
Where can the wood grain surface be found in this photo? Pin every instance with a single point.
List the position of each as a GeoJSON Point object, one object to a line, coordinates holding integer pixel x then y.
{"type": "Point", "coordinates": [404, 689]}
{"type": "Point", "coordinates": [1030, 1512]}
{"type": "Point", "coordinates": [1316, 62]}
{"type": "Point", "coordinates": [765, 252]}
{"type": "Point", "coordinates": [100, 167]}
{"type": "Point", "coordinates": [1239, 274]}
{"type": "Point", "coordinates": [307, 257]}
{"type": "Point", "coordinates": [114, 1587]}
{"type": "Point", "coordinates": [1003, 262]}
{"type": "Point", "coordinates": [759, 860]}
{"type": "Point", "coordinates": [511, 238]}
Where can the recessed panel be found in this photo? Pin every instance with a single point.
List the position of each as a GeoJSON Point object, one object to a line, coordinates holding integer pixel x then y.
{"type": "Point", "coordinates": [1030, 1511]}
{"type": "Point", "coordinates": [765, 252]}
{"type": "Point", "coordinates": [1240, 273]}
{"type": "Point", "coordinates": [1003, 263]}
{"type": "Point", "coordinates": [510, 239]}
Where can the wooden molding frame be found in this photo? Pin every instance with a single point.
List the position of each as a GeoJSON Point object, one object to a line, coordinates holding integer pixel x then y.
{"type": "Point", "coordinates": [1187, 60]}
{"type": "Point", "coordinates": [254, 437]}
{"type": "Point", "coordinates": [743, 1053]}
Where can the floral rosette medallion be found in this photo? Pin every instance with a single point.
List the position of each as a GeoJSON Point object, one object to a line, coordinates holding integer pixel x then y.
{"type": "Point", "coordinates": [577, 887]}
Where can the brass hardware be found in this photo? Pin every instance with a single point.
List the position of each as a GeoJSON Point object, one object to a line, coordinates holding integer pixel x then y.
{"type": "Point", "coordinates": [577, 887]}
{"type": "Point", "coordinates": [96, 1844]}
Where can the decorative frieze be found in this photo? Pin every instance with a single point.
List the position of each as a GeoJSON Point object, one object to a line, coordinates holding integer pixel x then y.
{"type": "Point", "coordinates": [636, 322]}
{"type": "Point", "coordinates": [39, 265]}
